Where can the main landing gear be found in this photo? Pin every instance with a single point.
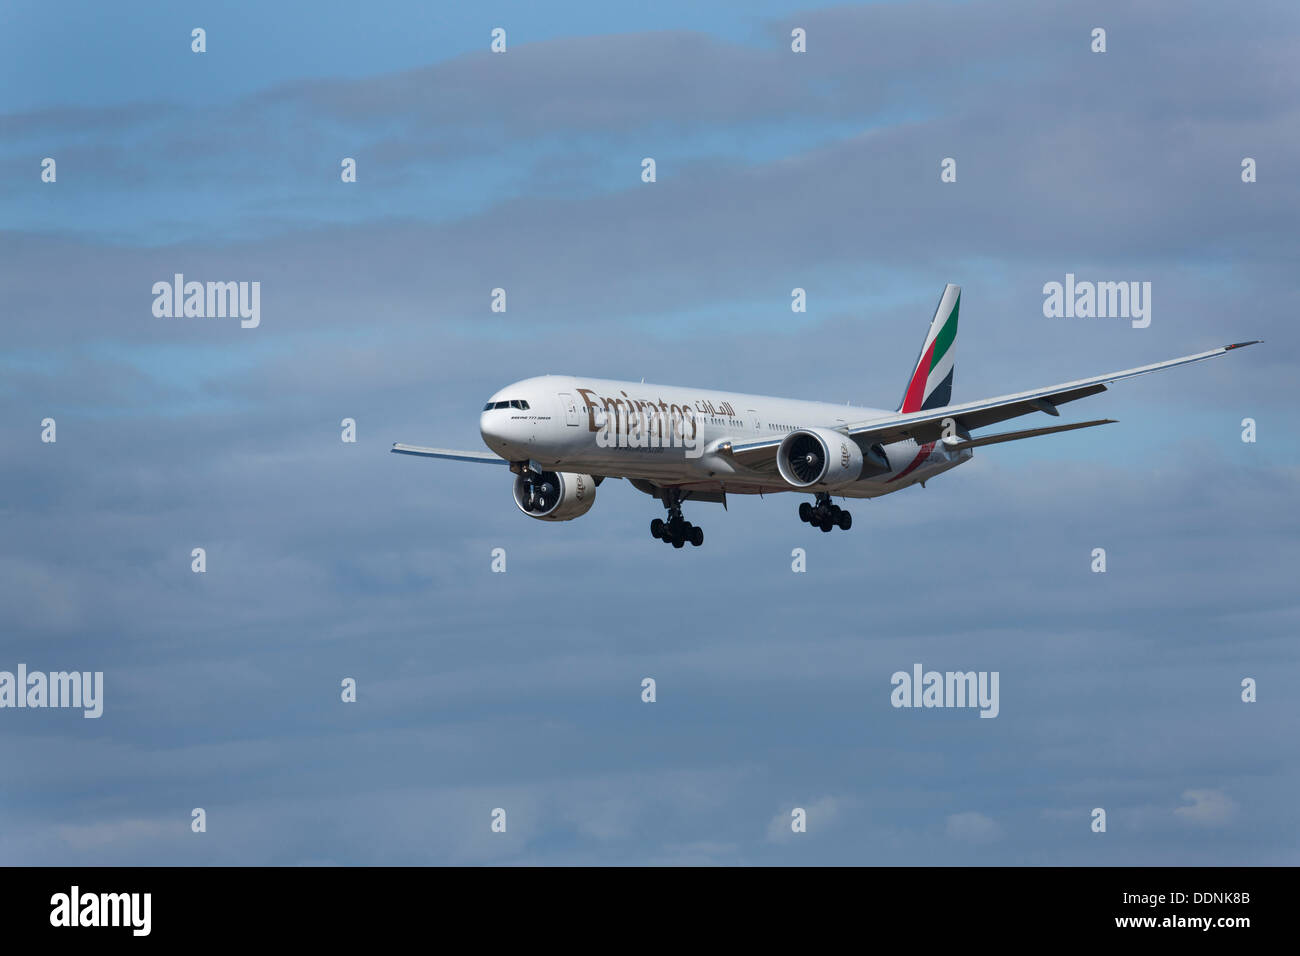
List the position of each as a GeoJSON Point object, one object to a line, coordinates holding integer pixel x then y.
{"type": "Point", "coordinates": [825, 515]}
{"type": "Point", "coordinates": [676, 530]}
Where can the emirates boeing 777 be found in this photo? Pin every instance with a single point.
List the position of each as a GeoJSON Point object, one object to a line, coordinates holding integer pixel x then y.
{"type": "Point", "coordinates": [563, 435]}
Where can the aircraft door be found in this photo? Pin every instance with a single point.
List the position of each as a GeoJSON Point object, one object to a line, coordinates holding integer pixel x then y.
{"type": "Point", "coordinates": [570, 409]}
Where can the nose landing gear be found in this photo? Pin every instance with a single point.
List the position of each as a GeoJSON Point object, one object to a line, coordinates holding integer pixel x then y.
{"type": "Point", "coordinates": [676, 530]}
{"type": "Point", "coordinates": [825, 515]}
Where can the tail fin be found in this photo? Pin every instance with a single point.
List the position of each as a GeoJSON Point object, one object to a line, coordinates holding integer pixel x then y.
{"type": "Point", "coordinates": [930, 385]}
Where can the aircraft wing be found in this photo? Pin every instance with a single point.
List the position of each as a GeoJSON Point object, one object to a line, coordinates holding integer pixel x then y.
{"type": "Point", "coordinates": [926, 426]}
{"type": "Point", "coordinates": [483, 456]}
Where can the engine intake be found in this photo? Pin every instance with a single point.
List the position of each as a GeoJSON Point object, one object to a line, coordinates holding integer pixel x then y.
{"type": "Point", "coordinates": [554, 495]}
{"type": "Point", "coordinates": [819, 458]}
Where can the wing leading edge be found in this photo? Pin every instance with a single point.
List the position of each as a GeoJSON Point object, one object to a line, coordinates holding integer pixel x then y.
{"type": "Point", "coordinates": [448, 453]}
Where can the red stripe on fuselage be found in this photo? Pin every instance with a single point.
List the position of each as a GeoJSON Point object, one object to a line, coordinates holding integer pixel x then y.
{"type": "Point", "coordinates": [920, 456]}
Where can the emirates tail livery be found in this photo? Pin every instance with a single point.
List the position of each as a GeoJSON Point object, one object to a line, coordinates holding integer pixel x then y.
{"type": "Point", "coordinates": [562, 436]}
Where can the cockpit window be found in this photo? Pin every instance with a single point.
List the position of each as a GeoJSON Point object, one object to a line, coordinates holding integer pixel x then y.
{"type": "Point", "coordinates": [518, 403]}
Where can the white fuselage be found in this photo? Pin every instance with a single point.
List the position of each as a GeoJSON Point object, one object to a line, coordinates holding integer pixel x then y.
{"type": "Point", "coordinates": [673, 435]}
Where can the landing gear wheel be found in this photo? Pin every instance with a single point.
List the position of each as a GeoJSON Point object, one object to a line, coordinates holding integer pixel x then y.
{"type": "Point", "coordinates": [805, 512]}
{"type": "Point", "coordinates": [676, 531]}
{"type": "Point", "coordinates": [846, 521]}
{"type": "Point", "coordinates": [827, 523]}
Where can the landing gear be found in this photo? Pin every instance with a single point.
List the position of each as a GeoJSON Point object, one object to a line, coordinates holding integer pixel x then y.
{"type": "Point", "coordinates": [676, 531]}
{"type": "Point", "coordinates": [825, 515]}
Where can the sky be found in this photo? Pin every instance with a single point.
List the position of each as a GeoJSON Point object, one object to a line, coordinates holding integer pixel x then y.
{"type": "Point", "coordinates": [775, 170]}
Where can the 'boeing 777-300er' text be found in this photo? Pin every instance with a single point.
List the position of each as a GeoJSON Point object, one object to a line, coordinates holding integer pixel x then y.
{"type": "Point", "coordinates": [563, 435]}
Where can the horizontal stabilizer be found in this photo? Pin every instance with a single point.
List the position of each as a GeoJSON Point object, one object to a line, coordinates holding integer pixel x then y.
{"type": "Point", "coordinates": [449, 453]}
{"type": "Point", "coordinates": [956, 444]}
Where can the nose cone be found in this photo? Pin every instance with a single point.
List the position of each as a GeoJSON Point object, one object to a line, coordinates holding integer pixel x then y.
{"type": "Point", "coordinates": [505, 434]}
{"type": "Point", "coordinates": [490, 427]}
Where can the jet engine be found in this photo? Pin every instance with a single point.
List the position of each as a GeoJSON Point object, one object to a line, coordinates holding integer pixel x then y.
{"type": "Point", "coordinates": [819, 458]}
{"type": "Point", "coordinates": [554, 495]}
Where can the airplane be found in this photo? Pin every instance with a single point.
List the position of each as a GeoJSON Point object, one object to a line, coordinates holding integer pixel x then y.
{"type": "Point", "coordinates": [562, 435]}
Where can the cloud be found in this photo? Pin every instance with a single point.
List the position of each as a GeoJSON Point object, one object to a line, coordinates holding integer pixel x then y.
{"type": "Point", "coordinates": [1207, 808]}
{"type": "Point", "coordinates": [973, 827]}
{"type": "Point", "coordinates": [120, 834]}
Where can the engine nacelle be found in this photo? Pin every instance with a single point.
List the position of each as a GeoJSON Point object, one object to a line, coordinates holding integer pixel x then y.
{"type": "Point", "coordinates": [554, 495]}
{"type": "Point", "coordinates": [819, 458]}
